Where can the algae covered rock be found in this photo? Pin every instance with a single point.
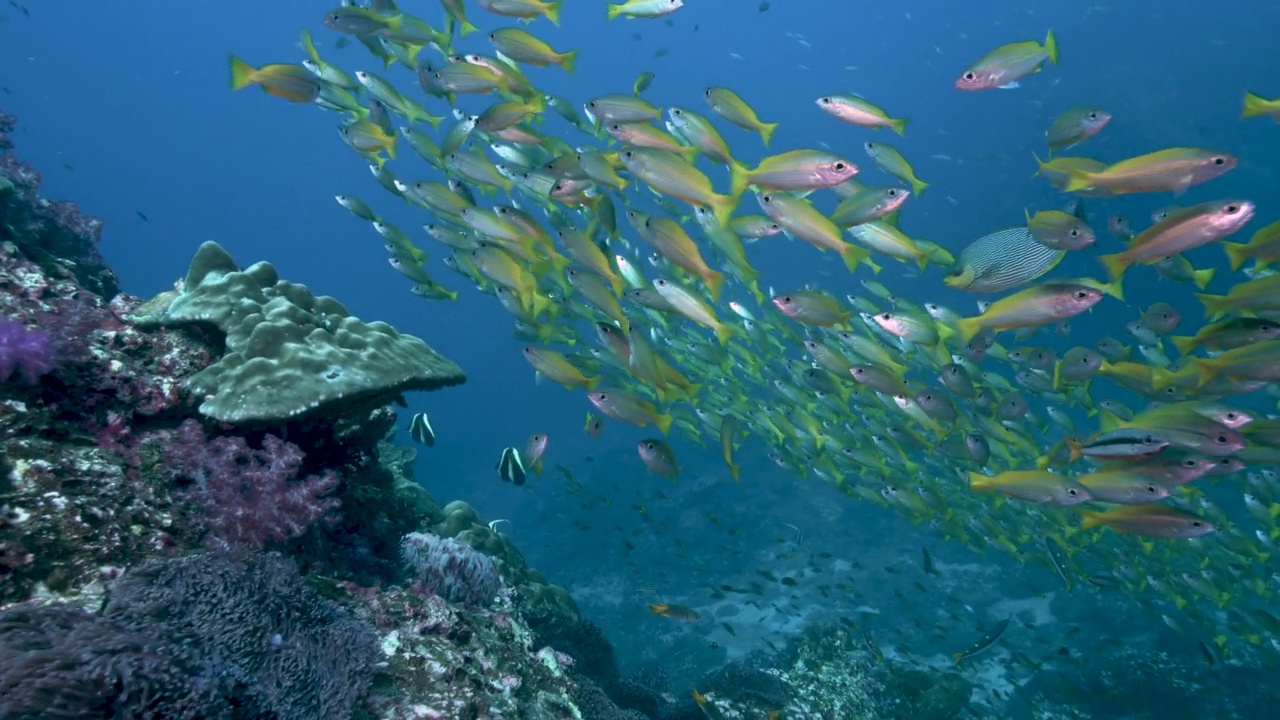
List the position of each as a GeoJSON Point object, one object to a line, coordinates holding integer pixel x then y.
{"type": "Point", "coordinates": [290, 353]}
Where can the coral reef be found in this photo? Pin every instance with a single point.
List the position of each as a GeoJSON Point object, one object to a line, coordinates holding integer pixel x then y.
{"type": "Point", "coordinates": [113, 484]}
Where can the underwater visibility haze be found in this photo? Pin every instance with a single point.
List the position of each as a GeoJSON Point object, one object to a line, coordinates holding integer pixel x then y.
{"type": "Point", "coordinates": [826, 359]}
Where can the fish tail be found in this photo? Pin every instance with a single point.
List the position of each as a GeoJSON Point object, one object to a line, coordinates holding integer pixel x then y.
{"type": "Point", "coordinates": [664, 423]}
{"type": "Point", "coordinates": [1205, 370]}
{"type": "Point", "coordinates": [739, 178]}
{"type": "Point", "coordinates": [1051, 47]}
{"type": "Point", "coordinates": [552, 12]}
{"type": "Point", "coordinates": [1184, 343]}
{"type": "Point", "coordinates": [1202, 277]}
{"type": "Point", "coordinates": [899, 126]}
{"type": "Point", "coordinates": [658, 608]}
{"type": "Point", "coordinates": [723, 207]}
{"type": "Point", "coordinates": [1115, 265]}
{"type": "Point", "coordinates": [969, 327]}
{"type": "Point", "coordinates": [715, 284]}
{"type": "Point", "coordinates": [592, 383]}
{"type": "Point", "coordinates": [1090, 519]}
{"type": "Point", "coordinates": [734, 470]}
{"type": "Point", "coordinates": [1057, 375]}
{"type": "Point", "coordinates": [1074, 450]}
{"type": "Point", "coordinates": [390, 146]}
{"type": "Point", "coordinates": [725, 332]}
{"type": "Point", "coordinates": [918, 186]}
{"type": "Point", "coordinates": [309, 46]}
{"type": "Point", "coordinates": [241, 73]}
{"type": "Point", "coordinates": [1237, 253]}
{"type": "Point", "coordinates": [612, 11]}
{"type": "Point", "coordinates": [466, 27]}
{"type": "Point", "coordinates": [766, 131]}
{"type": "Point", "coordinates": [1215, 306]}
{"type": "Point", "coordinates": [853, 255]}
{"type": "Point", "coordinates": [1254, 105]}
{"type": "Point", "coordinates": [1040, 164]}
{"type": "Point", "coordinates": [979, 482]}
{"type": "Point", "coordinates": [569, 60]}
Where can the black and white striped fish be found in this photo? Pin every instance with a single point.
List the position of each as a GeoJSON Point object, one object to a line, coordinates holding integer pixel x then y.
{"type": "Point", "coordinates": [420, 430]}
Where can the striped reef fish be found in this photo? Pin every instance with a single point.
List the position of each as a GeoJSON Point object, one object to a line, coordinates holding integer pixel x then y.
{"type": "Point", "coordinates": [1002, 261]}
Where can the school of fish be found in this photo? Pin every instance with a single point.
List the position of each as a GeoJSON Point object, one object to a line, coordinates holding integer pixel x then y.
{"type": "Point", "coordinates": [596, 222]}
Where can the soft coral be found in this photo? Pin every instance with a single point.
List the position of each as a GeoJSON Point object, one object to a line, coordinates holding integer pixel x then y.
{"type": "Point", "coordinates": [29, 353]}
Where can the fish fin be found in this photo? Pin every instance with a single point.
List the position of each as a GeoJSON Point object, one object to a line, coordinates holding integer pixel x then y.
{"type": "Point", "coordinates": [739, 178]}
{"type": "Point", "coordinates": [1077, 180]}
{"type": "Point", "coordinates": [1205, 370]}
{"type": "Point", "coordinates": [979, 482]}
{"type": "Point", "coordinates": [1254, 105]}
{"type": "Point", "coordinates": [1051, 47]}
{"type": "Point", "coordinates": [664, 423]}
{"type": "Point", "coordinates": [1115, 265]}
{"type": "Point", "coordinates": [723, 207]}
{"type": "Point", "coordinates": [241, 73]}
{"type": "Point", "coordinates": [1202, 277]}
{"type": "Point", "coordinates": [725, 332]}
{"type": "Point", "coordinates": [552, 12]}
{"type": "Point", "coordinates": [1215, 306]}
{"type": "Point", "coordinates": [853, 255]}
{"type": "Point", "coordinates": [309, 46]}
{"type": "Point", "coordinates": [568, 60]}
{"type": "Point", "coordinates": [1237, 253]}
{"type": "Point", "coordinates": [1009, 86]}
{"type": "Point", "coordinates": [899, 126]}
{"type": "Point", "coordinates": [766, 131]}
{"type": "Point", "coordinates": [1090, 519]}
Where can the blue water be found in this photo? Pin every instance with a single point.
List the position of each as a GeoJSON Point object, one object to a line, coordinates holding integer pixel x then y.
{"type": "Point", "coordinates": [126, 109]}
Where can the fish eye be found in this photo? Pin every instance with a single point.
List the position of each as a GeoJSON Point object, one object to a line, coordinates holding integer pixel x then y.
{"type": "Point", "coordinates": [1093, 116]}
{"type": "Point", "coordinates": [677, 112]}
{"type": "Point", "coordinates": [825, 100]}
{"type": "Point", "coordinates": [1219, 161]}
{"type": "Point", "coordinates": [886, 316]}
{"type": "Point", "coordinates": [1196, 523]}
{"type": "Point", "coordinates": [1233, 209]}
{"type": "Point", "coordinates": [1152, 489]}
{"type": "Point", "coordinates": [707, 92]}
{"type": "Point", "coordinates": [893, 192]}
{"type": "Point", "coordinates": [1222, 439]}
{"type": "Point", "coordinates": [1075, 233]}
{"type": "Point", "coordinates": [969, 75]}
{"type": "Point", "coordinates": [593, 103]}
{"type": "Point", "coordinates": [1080, 295]}
{"type": "Point", "coordinates": [1072, 492]}
{"type": "Point", "coordinates": [602, 396]}
{"type": "Point", "coordinates": [840, 166]}
{"type": "Point", "coordinates": [786, 299]}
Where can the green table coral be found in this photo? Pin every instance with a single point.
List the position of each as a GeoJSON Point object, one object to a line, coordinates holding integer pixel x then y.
{"type": "Point", "coordinates": [289, 353]}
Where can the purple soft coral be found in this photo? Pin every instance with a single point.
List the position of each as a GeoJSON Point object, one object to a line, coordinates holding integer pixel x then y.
{"type": "Point", "coordinates": [29, 353]}
{"type": "Point", "coordinates": [248, 497]}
